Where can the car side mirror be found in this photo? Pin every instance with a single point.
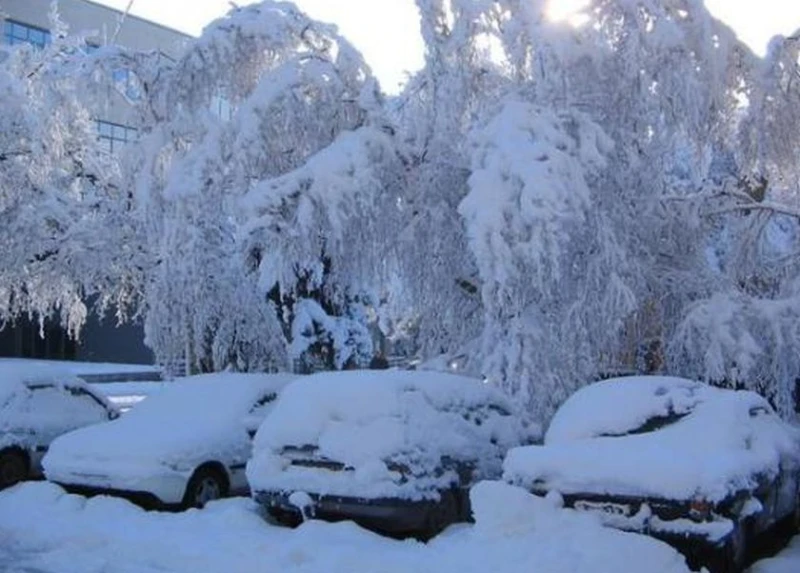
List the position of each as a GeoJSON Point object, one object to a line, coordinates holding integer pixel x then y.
{"type": "Point", "coordinates": [757, 411]}
{"type": "Point", "coordinates": [113, 414]}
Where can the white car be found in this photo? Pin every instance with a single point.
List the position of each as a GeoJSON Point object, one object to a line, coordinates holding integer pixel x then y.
{"type": "Point", "coordinates": [38, 404]}
{"type": "Point", "coordinates": [182, 447]}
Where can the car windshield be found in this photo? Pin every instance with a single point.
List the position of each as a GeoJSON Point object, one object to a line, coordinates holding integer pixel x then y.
{"type": "Point", "coordinates": [650, 425]}
{"type": "Point", "coordinates": [623, 406]}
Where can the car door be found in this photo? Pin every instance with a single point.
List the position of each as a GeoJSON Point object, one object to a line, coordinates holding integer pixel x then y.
{"type": "Point", "coordinates": [49, 410]}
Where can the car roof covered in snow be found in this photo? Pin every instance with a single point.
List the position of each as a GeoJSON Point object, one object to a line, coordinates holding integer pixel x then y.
{"type": "Point", "coordinates": [657, 437]}
{"type": "Point", "coordinates": [320, 408]}
{"type": "Point", "coordinates": [621, 405]}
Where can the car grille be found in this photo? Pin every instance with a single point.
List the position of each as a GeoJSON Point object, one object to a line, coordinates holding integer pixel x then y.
{"type": "Point", "coordinates": [320, 463]}
{"type": "Point", "coordinates": [304, 456]}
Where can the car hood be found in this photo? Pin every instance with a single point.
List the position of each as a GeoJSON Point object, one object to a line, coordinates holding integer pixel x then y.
{"type": "Point", "coordinates": [176, 447]}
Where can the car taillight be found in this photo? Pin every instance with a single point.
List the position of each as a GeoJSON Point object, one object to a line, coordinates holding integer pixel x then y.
{"type": "Point", "coordinates": [700, 509]}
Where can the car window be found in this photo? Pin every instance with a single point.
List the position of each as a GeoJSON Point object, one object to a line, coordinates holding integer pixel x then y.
{"type": "Point", "coordinates": [258, 411]}
{"type": "Point", "coordinates": [263, 404]}
{"type": "Point", "coordinates": [651, 424]}
{"type": "Point", "coordinates": [53, 407]}
{"type": "Point", "coordinates": [83, 394]}
{"type": "Point", "coordinates": [758, 411]}
{"type": "Point", "coordinates": [7, 400]}
{"type": "Point", "coordinates": [478, 414]}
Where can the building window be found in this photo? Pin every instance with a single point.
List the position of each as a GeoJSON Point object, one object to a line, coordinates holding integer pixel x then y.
{"type": "Point", "coordinates": [126, 83]}
{"type": "Point", "coordinates": [113, 136]}
{"type": "Point", "coordinates": [18, 33]}
{"type": "Point", "coordinates": [221, 107]}
{"type": "Point", "coordinates": [124, 79]}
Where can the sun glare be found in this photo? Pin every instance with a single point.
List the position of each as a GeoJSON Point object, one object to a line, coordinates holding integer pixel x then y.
{"type": "Point", "coordinates": [569, 11]}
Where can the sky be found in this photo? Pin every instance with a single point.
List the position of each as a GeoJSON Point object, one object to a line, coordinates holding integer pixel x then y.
{"type": "Point", "coordinates": [387, 31]}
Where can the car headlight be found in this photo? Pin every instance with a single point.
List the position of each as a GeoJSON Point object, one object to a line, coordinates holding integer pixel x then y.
{"type": "Point", "coordinates": [700, 509]}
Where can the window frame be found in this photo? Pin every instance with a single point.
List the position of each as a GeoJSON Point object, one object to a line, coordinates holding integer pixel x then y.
{"type": "Point", "coordinates": [72, 392]}
{"type": "Point", "coordinates": [112, 135]}
{"type": "Point", "coordinates": [13, 38]}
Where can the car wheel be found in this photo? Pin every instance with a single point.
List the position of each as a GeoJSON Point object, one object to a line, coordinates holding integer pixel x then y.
{"type": "Point", "coordinates": [732, 556]}
{"type": "Point", "coordinates": [796, 516]}
{"type": "Point", "coordinates": [206, 484]}
{"type": "Point", "coordinates": [442, 514]}
{"type": "Point", "coordinates": [285, 518]}
{"type": "Point", "coordinates": [13, 468]}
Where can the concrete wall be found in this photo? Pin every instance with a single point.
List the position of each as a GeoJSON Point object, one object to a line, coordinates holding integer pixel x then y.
{"type": "Point", "coordinates": [85, 16]}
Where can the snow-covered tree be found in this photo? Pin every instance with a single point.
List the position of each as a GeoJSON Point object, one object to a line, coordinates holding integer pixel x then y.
{"type": "Point", "coordinates": [245, 212]}
{"type": "Point", "coordinates": [554, 201]}
{"type": "Point", "coordinates": [437, 295]}
{"type": "Point", "coordinates": [63, 223]}
{"type": "Point", "coordinates": [742, 332]}
{"type": "Point", "coordinates": [629, 235]}
{"type": "Point", "coordinates": [527, 215]}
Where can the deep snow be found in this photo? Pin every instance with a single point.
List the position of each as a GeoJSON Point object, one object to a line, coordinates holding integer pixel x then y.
{"type": "Point", "coordinates": [42, 528]}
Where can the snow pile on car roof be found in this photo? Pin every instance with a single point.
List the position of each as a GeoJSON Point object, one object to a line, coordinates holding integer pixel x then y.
{"type": "Point", "coordinates": [364, 419]}
{"type": "Point", "coordinates": [194, 416]}
{"type": "Point", "coordinates": [15, 374]}
{"type": "Point", "coordinates": [707, 442]}
{"type": "Point", "coordinates": [619, 405]}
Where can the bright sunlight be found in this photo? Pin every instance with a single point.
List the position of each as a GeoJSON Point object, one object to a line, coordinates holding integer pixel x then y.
{"type": "Point", "coordinates": [570, 11]}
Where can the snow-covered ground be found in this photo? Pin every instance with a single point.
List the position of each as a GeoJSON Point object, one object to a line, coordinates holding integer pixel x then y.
{"type": "Point", "coordinates": [44, 529]}
{"type": "Point", "coordinates": [787, 561]}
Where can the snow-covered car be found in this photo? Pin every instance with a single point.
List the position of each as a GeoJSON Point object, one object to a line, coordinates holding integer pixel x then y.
{"type": "Point", "coordinates": [705, 469]}
{"type": "Point", "coordinates": [182, 447]}
{"type": "Point", "coordinates": [395, 451]}
{"type": "Point", "coordinates": [38, 404]}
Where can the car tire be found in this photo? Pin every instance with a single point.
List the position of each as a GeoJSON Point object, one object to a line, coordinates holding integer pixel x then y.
{"type": "Point", "coordinates": [13, 468]}
{"type": "Point", "coordinates": [442, 514]}
{"type": "Point", "coordinates": [795, 526]}
{"type": "Point", "coordinates": [285, 518]}
{"type": "Point", "coordinates": [732, 556]}
{"type": "Point", "coordinates": [206, 484]}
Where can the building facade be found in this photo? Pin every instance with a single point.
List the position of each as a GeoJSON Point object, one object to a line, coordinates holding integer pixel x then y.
{"type": "Point", "coordinates": [28, 21]}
